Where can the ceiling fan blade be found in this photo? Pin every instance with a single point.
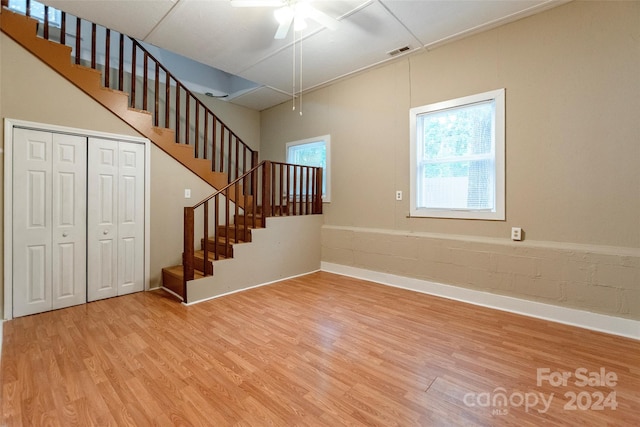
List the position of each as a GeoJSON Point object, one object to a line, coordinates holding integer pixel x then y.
{"type": "Point", "coordinates": [256, 3]}
{"type": "Point", "coordinates": [283, 29]}
{"type": "Point", "coordinates": [322, 18]}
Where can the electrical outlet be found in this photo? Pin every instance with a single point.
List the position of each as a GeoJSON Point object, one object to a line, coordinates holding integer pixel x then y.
{"type": "Point", "coordinates": [399, 195]}
{"type": "Point", "coordinates": [516, 233]}
{"type": "Point", "coordinates": [187, 193]}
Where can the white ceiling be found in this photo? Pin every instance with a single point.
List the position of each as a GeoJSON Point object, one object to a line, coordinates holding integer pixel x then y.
{"type": "Point", "coordinates": [240, 41]}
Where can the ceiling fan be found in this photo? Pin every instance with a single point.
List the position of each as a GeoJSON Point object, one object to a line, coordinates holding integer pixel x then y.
{"type": "Point", "coordinates": [291, 12]}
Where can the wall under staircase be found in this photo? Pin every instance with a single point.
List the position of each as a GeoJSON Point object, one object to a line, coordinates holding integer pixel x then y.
{"type": "Point", "coordinates": [286, 247]}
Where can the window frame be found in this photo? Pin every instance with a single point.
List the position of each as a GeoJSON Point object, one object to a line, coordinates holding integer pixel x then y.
{"type": "Point", "coordinates": [498, 213]}
{"type": "Point", "coordinates": [326, 173]}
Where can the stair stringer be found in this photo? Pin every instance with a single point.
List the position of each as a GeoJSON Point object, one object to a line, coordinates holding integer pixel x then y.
{"type": "Point", "coordinates": [23, 30]}
{"type": "Point", "coordinates": [287, 246]}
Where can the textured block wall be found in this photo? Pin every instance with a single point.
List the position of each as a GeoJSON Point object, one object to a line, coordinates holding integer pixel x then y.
{"type": "Point", "coordinates": [601, 279]}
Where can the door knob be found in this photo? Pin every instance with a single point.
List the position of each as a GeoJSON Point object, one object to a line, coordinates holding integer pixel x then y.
{"type": "Point", "coordinates": [65, 234]}
{"type": "Point", "coordinates": [105, 232]}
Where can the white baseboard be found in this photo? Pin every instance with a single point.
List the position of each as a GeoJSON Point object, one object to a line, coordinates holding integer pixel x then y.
{"type": "Point", "coordinates": [568, 316]}
{"type": "Point", "coordinates": [169, 291]}
{"type": "Point", "coordinates": [246, 289]}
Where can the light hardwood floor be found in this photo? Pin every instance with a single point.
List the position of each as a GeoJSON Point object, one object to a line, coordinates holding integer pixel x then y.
{"type": "Point", "coordinates": [321, 349]}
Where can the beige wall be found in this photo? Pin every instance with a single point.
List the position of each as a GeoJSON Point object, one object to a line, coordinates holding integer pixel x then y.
{"type": "Point", "coordinates": [31, 91]}
{"type": "Point", "coordinates": [573, 156]}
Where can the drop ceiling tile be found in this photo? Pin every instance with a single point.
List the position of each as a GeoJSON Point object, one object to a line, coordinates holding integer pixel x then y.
{"type": "Point", "coordinates": [261, 98]}
{"type": "Point", "coordinates": [432, 21]}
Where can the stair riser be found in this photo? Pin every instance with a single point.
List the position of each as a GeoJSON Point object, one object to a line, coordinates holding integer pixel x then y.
{"type": "Point", "coordinates": [240, 220]}
{"type": "Point", "coordinates": [277, 210]}
{"type": "Point", "coordinates": [198, 264]}
{"type": "Point", "coordinates": [223, 250]}
{"type": "Point", "coordinates": [172, 283]}
{"type": "Point", "coordinates": [235, 233]}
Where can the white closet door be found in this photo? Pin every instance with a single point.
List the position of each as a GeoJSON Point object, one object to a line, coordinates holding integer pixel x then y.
{"type": "Point", "coordinates": [131, 218]}
{"type": "Point", "coordinates": [31, 222]}
{"type": "Point", "coordinates": [48, 224]}
{"type": "Point", "coordinates": [69, 226]}
{"type": "Point", "coordinates": [102, 213]}
{"type": "Point", "coordinates": [115, 220]}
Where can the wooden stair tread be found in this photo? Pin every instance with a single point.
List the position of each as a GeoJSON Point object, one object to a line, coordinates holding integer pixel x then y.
{"type": "Point", "coordinates": [222, 240]}
{"type": "Point", "coordinates": [178, 271]}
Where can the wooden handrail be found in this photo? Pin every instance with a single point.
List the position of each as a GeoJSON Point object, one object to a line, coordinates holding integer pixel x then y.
{"type": "Point", "coordinates": [214, 141]}
{"type": "Point", "coordinates": [237, 180]}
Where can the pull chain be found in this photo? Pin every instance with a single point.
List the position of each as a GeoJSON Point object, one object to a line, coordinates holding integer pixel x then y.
{"type": "Point", "coordinates": [300, 49]}
{"type": "Point", "coordinates": [293, 79]}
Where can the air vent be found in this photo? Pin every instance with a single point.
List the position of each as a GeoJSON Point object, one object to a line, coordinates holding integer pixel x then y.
{"type": "Point", "coordinates": [398, 51]}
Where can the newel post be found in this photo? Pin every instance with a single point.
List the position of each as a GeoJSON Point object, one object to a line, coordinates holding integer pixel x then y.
{"type": "Point", "coordinates": [266, 190]}
{"type": "Point", "coordinates": [188, 257]}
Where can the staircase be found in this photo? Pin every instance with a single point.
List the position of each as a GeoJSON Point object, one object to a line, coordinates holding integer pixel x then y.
{"type": "Point", "coordinates": [218, 247]}
{"type": "Point", "coordinates": [138, 89]}
{"type": "Point", "coordinates": [278, 189]}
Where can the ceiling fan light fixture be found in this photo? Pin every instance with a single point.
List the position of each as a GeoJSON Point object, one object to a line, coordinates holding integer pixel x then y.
{"type": "Point", "coordinates": [283, 15]}
{"type": "Point", "coordinates": [299, 23]}
{"type": "Point", "coordinates": [302, 9]}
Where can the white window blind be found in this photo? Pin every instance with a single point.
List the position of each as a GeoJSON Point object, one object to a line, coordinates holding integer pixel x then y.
{"type": "Point", "coordinates": [456, 161]}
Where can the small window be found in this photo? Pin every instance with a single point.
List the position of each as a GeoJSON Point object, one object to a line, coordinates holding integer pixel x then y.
{"type": "Point", "coordinates": [313, 152]}
{"type": "Point", "coordinates": [36, 10]}
{"type": "Point", "coordinates": [457, 158]}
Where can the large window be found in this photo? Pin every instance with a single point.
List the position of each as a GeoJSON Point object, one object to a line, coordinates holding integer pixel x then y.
{"type": "Point", "coordinates": [314, 152]}
{"type": "Point", "coordinates": [457, 158]}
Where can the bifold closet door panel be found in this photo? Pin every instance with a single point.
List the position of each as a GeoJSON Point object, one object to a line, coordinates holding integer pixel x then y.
{"type": "Point", "coordinates": [49, 223]}
{"type": "Point", "coordinates": [32, 284]}
{"type": "Point", "coordinates": [69, 220]}
{"type": "Point", "coordinates": [102, 219]}
{"type": "Point", "coordinates": [115, 220]}
{"type": "Point", "coordinates": [131, 218]}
